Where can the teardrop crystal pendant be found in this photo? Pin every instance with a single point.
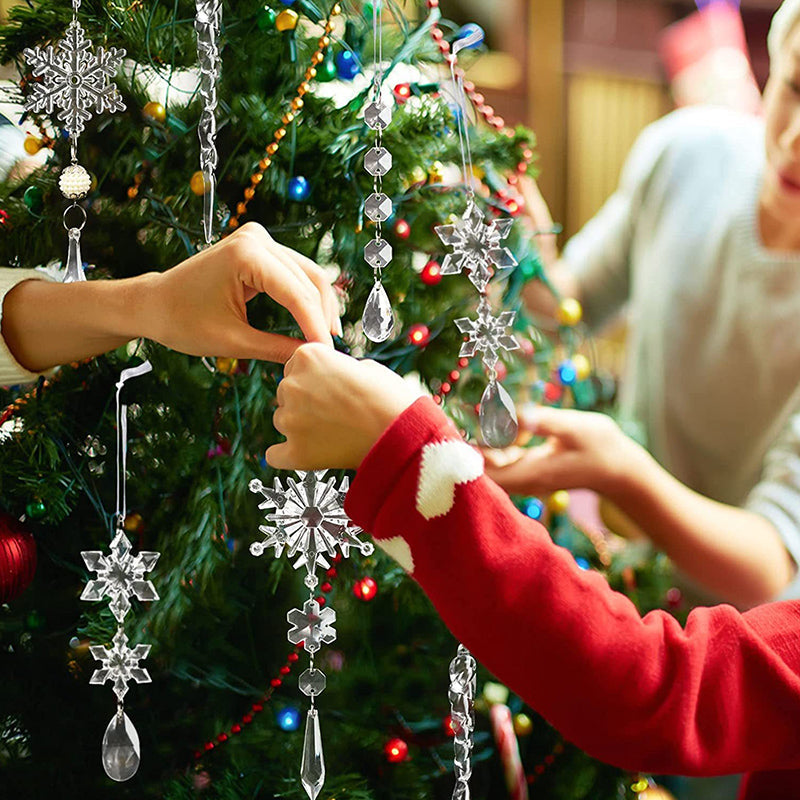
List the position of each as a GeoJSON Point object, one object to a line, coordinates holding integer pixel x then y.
{"type": "Point", "coordinates": [498, 416]}
{"type": "Point", "coordinates": [378, 319]}
{"type": "Point", "coordinates": [208, 204]}
{"type": "Point", "coordinates": [120, 748]}
{"type": "Point", "coordinates": [312, 770]}
{"type": "Point", "coordinates": [74, 271]}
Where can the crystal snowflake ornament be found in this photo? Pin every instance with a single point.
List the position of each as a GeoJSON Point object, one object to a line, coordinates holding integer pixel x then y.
{"type": "Point", "coordinates": [312, 626]}
{"type": "Point", "coordinates": [476, 246]}
{"type": "Point", "coordinates": [120, 575]}
{"type": "Point", "coordinates": [120, 664]}
{"type": "Point", "coordinates": [308, 521]}
{"type": "Point", "coordinates": [74, 79]}
{"type": "Point", "coordinates": [487, 334]}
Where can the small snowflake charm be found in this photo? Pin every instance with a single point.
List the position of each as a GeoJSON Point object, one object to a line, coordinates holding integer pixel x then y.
{"type": "Point", "coordinates": [476, 246]}
{"type": "Point", "coordinates": [73, 79]}
{"type": "Point", "coordinates": [487, 334]}
{"type": "Point", "coordinates": [120, 664]}
{"type": "Point", "coordinates": [120, 575]}
{"type": "Point", "coordinates": [309, 520]}
{"type": "Point", "coordinates": [312, 627]}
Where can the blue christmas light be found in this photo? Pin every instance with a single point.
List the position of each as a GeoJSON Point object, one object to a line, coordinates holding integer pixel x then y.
{"type": "Point", "coordinates": [288, 2]}
{"type": "Point", "coordinates": [533, 508]}
{"type": "Point", "coordinates": [299, 188]}
{"type": "Point", "coordinates": [583, 563]}
{"type": "Point", "coordinates": [288, 719]}
{"type": "Point", "coordinates": [347, 66]}
{"type": "Point", "coordinates": [567, 373]}
{"type": "Point", "coordinates": [468, 30]}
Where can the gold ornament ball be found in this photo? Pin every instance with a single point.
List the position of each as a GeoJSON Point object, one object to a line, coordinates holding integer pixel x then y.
{"type": "Point", "coordinates": [287, 20]}
{"type": "Point", "coordinates": [570, 312]}
{"type": "Point", "coordinates": [155, 111]}
{"type": "Point", "coordinates": [583, 369]}
{"type": "Point", "coordinates": [523, 724]}
{"type": "Point", "coordinates": [197, 183]}
{"type": "Point", "coordinates": [436, 172]}
{"type": "Point", "coordinates": [32, 145]}
{"type": "Point", "coordinates": [227, 365]}
{"type": "Point", "coordinates": [133, 522]}
{"type": "Point", "coordinates": [418, 175]}
{"type": "Point", "coordinates": [558, 502]}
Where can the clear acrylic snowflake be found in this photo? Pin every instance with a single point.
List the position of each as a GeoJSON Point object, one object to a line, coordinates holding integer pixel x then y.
{"type": "Point", "coordinates": [312, 627]}
{"type": "Point", "coordinates": [476, 246]}
{"type": "Point", "coordinates": [309, 520]}
{"type": "Point", "coordinates": [74, 79]}
{"type": "Point", "coordinates": [487, 334]}
{"type": "Point", "coordinates": [120, 575]}
{"type": "Point", "coordinates": [120, 664]}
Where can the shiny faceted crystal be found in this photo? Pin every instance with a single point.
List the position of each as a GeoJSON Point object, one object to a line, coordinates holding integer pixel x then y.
{"type": "Point", "coordinates": [378, 161]}
{"type": "Point", "coordinates": [461, 791]}
{"type": "Point", "coordinates": [377, 116]}
{"type": "Point", "coordinates": [312, 768]}
{"type": "Point", "coordinates": [378, 253]}
{"type": "Point", "coordinates": [378, 207]}
{"type": "Point", "coordinates": [121, 748]}
{"type": "Point", "coordinates": [312, 682]}
{"type": "Point", "coordinates": [74, 272]}
{"type": "Point", "coordinates": [378, 318]}
{"type": "Point", "coordinates": [498, 417]}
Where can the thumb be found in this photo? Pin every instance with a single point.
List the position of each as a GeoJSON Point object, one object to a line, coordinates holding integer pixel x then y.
{"type": "Point", "coordinates": [249, 342]}
{"type": "Point", "coordinates": [279, 456]}
{"type": "Point", "coordinates": [547, 421]}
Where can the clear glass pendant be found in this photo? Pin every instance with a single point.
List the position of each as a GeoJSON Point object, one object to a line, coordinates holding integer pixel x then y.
{"type": "Point", "coordinates": [312, 770]}
{"type": "Point", "coordinates": [74, 271]}
{"type": "Point", "coordinates": [378, 319]}
{"type": "Point", "coordinates": [208, 204]}
{"type": "Point", "coordinates": [121, 748]}
{"type": "Point", "coordinates": [498, 416]}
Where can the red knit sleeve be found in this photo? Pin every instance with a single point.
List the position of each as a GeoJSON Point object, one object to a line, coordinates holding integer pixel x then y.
{"type": "Point", "coordinates": [721, 695]}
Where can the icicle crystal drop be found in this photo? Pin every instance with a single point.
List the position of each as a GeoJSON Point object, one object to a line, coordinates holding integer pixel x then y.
{"type": "Point", "coordinates": [74, 270]}
{"type": "Point", "coordinates": [378, 319]}
{"type": "Point", "coordinates": [312, 770]}
{"type": "Point", "coordinates": [120, 748]}
{"type": "Point", "coordinates": [498, 417]}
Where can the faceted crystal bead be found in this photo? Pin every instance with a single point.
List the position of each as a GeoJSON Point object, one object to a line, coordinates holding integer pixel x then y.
{"type": "Point", "coordinates": [378, 319]}
{"type": "Point", "coordinates": [312, 682]}
{"type": "Point", "coordinates": [378, 207]}
{"type": "Point", "coordinates": [312, 769]}
{"type": "Point", "coordinates": [498, 416]}
{"type": "Point", "coordinates": [378, 253]}
{"type": "Point", "coordinates": [120, 748]}
{"type": "Point", "coordinates": [378, 161]}
{"type": "Point", "coordinates": [74, 272]}
{"type": "Point", "coordinates": [377, 116]}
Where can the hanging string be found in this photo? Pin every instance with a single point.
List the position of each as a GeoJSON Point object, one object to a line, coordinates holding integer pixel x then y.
{"type": "Point", "coordinates": [461, 99]}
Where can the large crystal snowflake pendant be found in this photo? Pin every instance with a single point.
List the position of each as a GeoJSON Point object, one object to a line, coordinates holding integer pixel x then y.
{"type": "Point", "coordinates": [120, 664]}
{"type": "Point", "coordinates": [476, 246]}
{"type": "Point", "coordinates": [487, 334]}
{"type": "Point", "coordinates": [120, 575]}
{"type": "Point", "coordinates": [309, 521]}
{"type": "Point", "coordinates": [74, 79]}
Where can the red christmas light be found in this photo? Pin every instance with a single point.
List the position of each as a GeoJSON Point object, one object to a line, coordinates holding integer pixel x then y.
{"type": "Point", "coordinates": [402, 230]}
{"type": "Point", "coordinates": [396, 751]}
{"type": "Point", "coordinates": [365, 589]}
{"type": "Point", "coordinates": [402, 91]}
{"type": "Point", "coordinates": [419, 335]}
{"type": "Point", "coordinates": [431, 273]}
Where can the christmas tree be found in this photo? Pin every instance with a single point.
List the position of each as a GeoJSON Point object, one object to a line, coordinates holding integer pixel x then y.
{"type": "Point", "coordinates": [222, 714]}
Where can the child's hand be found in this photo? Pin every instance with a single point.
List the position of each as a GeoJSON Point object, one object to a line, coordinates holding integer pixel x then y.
{"type": "Point", "coordinates": [332, 409]}
{"type": "Point", "coordinates": [199, 306]}
{"type": "Point", "coordinates": [583, 450]}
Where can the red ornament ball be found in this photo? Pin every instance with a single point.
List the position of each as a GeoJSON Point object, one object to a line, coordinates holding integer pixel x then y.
{"type": "Point", "coordinates": [365, 589]}
{"type": "Point", "coordinates": [431, 273]}
{"type": "Point", "coordinates": [402, 230]}
{"type": "Point", "coordinates": [17, 558]}
{"type": "Point", "coordinates": [419, 335]}
{"type": "Point", "coordinates": [3, 216]}
{"type": "Point", "coordinates": [396, 751]}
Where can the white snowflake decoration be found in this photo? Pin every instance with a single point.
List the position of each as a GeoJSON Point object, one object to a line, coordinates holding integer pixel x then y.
{"type": "Point", "coordinates": [120, 575]}
{"type": "Point", "coordinates": [74, 79]}
{"type": "Point", "coordinates": [312, 627]}
{"type": "Point", "coordinates": [120, 664]}
{"type": "Point", "coordinates": [309, 520]}
{"type": "Point", "coordinates": [487, 334]}
{"type": "Point", "coordinates": [476, 246]}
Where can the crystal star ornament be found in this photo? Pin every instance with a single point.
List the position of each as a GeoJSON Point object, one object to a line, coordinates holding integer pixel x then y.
{"type": "Point", "coordinates": [476, 246]}
{"type": "Point", "coordinates": [120, 664]}
{"type": "Point", "coordinates": [74, 79]}
{"type": "Point", "coordinates": [120, 575]}
{"type": "Point", "coordinates": [312, 627]}
{"type": "Point", "coordinates": [487, 334]}
{"type": "Point", "coordinates": [308, 520]}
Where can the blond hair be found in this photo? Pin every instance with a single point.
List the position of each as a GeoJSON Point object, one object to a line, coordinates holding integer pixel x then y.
{"type": "Point", "coordinates": [783, 22]}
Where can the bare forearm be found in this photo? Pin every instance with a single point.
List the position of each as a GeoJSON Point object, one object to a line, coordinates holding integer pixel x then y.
{"type": "Point", "coordinates": [734, 553]}
{"type": "Point", "coordinates": [45, 324]}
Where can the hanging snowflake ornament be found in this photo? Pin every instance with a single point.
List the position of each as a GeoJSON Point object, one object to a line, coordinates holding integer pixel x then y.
{"type": "Point", "coordinates": [476, 246]}
{"type": "Point", "coordinates": [487, 334]}
{"type": "Point", "coordinates": [120, 575]}
{"type": "Point", "coordinates": [120, 664]}
{"type": "Point", "coordinates": [312, 627]}
{"type": "Point", "coordinates": [308, 520]}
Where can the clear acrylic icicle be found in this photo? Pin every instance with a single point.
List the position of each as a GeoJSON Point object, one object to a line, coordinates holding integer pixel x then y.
{"type": "Point", "coordinates": [378, 317]}
{"type": "Point", "coordinates": [312, 769]}
{"type": "Point", "coordinates": [74, 271]}
{"type": "Point", "coordinates": [499, 425]}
